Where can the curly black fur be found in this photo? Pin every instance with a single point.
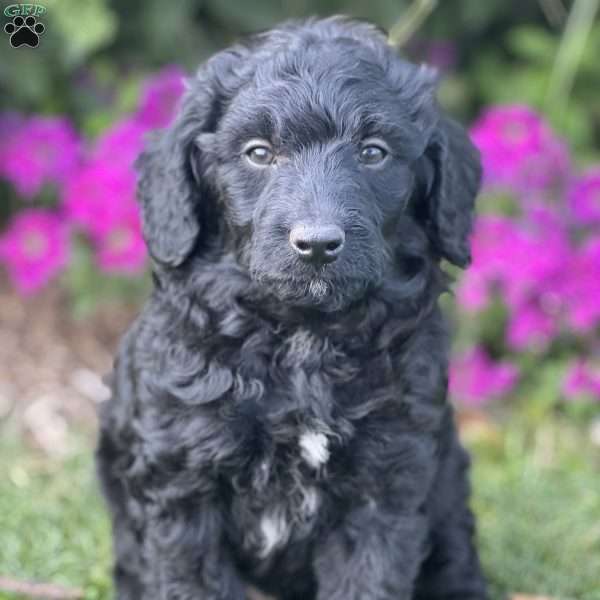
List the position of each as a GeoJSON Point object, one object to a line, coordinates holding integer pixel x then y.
{"type": "Point", "coordinates": [272, 422]}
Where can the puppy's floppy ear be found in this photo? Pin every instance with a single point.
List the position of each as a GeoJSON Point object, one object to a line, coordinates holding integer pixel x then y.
{"type": "Point", "coordinates": [169, 195]}
{"type": "Point", "coordinates": [175, 200]}
{"type": "Point", "coordinates": [452, 170]}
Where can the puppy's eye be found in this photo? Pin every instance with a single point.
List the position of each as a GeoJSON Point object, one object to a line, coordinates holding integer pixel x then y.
{"type": "Point", "coordinates": [373, 153]}
{"type": "Point", "coordinates": [259, 154]}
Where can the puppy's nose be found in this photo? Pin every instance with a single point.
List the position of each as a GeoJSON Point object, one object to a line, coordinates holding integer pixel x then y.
{"type": "Point", "coordinates": [317, 244]}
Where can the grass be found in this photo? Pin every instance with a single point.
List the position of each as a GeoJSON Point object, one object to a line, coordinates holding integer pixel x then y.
{"type": "Point", "coordinates": [538, 504]}
{"type": "Point", "coordinates": [52, 522]}
{"type": "Point", "coordinates": [537, 498]}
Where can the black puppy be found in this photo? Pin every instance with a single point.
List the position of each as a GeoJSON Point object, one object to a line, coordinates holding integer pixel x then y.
{"type": "Point", "coordinates": [279, 412]}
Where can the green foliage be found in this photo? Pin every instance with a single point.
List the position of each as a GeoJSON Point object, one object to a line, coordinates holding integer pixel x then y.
{"type": "Point", "coordinates": [87, 288]}
{"type": "Point", "coordinates": [83, 27]}
{"type": "Point", "coordinates": [94, 55]}
{"type": "Point", "coordinates": [525, 77]}
{"type": "Point", "coordinates": [538, 503]}
{"type": "Point", "coordinates": [537, 490]}
{"type": "Point", "coordinates": [506, 50]}
{"type": "Point", "coordinates": [54, 527]}
{"type": "Point", "coordinates": [536, 494]}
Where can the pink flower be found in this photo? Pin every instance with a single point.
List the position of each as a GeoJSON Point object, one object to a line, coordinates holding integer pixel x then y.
{"type": "Point", "coordinates": [40, 150]}
{"type": "Point", "coordinates": [526, 263]}
{"type": "Point", "coordinates": [476, 379]}
{"type": "Point", "coordinates": [35, 248]}
{"type": "Point", "coordinates": [491, 243]}
{"type": "Point", "coordinates": [474, 290]}
{"type": "Point", "coordinates": [584, 198]}
{"type": "Point", "coordinates": [580, 287]}
{"type": "Point", "coordinates": [537, 264]}
{"type": "Point", "coordinates": [121, 143]}
{"type": "Point", "coordinates": [519, 151]}
{"type": "Point", "coordinates": [516, 259]}
{"type": "Point", "coordinates": [531, 324]}
{"type": "Point", "coordinates": [99, 195]}
{"type": "Point", "coordinates": [100, 199]}
{"type": "Point", "coordinates": [582, 380]}
{"type": "Point", "coordinates": [122, 248]}
{"type": "Point", "coordinates": [160, 97]}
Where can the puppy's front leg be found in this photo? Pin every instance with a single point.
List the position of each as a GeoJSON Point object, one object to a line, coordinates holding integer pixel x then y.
{"type": "Point", "coordinates": [374, 555]}
{"type": "Point", "coordinates": [451, 570]}
{"type": "Point", "coordinates": [189, 557]}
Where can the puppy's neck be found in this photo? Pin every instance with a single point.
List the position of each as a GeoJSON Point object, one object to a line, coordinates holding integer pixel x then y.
{"type": "Point", "coordinates": [223, 298]}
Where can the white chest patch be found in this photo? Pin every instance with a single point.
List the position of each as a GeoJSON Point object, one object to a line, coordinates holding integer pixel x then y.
{"type": "Point", "coordinates": [275, 532]}
{"type": "Point", "coordinates": [314, 448]}
{"type": "Point", "coordinates": [283, 521]}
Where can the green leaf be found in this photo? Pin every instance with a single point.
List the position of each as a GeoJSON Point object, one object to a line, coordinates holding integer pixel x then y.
{"type": "Point", "coordinates": [533, 44]}
{"type": "Point", "coordinates": [248, 16]}
{"type": "Point", "coordinates": [542, 392]}
{"type": "Point", "coordinates": [84, 27]}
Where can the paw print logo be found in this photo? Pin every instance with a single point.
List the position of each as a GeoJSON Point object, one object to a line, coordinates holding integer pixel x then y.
{"type": "Point", "coordinates": [24, 32]}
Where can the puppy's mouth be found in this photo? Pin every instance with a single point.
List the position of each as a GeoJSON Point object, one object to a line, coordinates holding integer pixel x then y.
{"type": "Point", "coordinates": [316, 286]}
{"type": "Point", "coordinates": [316, 291]}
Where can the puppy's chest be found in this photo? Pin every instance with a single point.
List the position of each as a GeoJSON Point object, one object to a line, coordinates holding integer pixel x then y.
{"type": "Point", "coordinates": [291, 417]}
{"type": "Point", "coordinates": [279, 494]}
{"type": "Point", "coordinates": [288, 440]}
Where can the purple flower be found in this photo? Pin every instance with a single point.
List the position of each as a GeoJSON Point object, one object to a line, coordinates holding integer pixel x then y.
{"type": "Point", "coordinates": [476, 379]}
{"type": "Point", "coordinates": [526, 263]}
{"type": "Point", "coordinates": [584, 198]}
{"type": "Point", "coordinates": [121, 143]}
{"type": "Point", "coordinates": [492, 242]}
{"type": "Point", "coordinates": [580, 287]}
{"type": "Point", "coordinates": [121, 249]}
{"type": "Point", "coordinates": [39, 150]}
{"type": "Point", "coordinates": [160, 97]}
{"type": "Point", "coordinates": [519, 151]}
{"type": "Point", "coordinates": [582, 381]}
{"type": "Point", "coordinates": [537, 267]}
{"type": "Point", "coordinates": [512, 258]}
{"type": "Point", "coordinates": [99, 195]}
{"type": "Point", "coordinates": [100, 199]}
{"type": "Point", "coordinates": [531, 324]}
{"type": "Point", "coordinates": [474, 290]}
{"type": "Point", "coordinates": [34, 248]}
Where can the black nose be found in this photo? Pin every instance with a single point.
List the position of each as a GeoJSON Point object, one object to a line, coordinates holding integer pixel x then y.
{"type": "Point", "coordinates": [317, 243]}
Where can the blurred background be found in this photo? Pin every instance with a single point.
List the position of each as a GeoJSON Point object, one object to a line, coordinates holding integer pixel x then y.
{"type": "Point", "coordinates": [522, 75]}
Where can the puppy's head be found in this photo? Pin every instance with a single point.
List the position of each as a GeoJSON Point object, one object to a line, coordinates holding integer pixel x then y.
{"type": "Point", "coordinates": [318, 158]}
